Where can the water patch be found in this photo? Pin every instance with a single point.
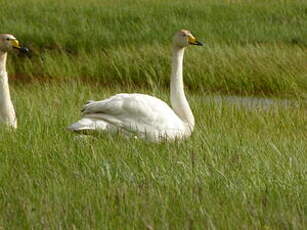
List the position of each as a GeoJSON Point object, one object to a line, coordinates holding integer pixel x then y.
{"type": "Point", "coordinates": [253, 102]}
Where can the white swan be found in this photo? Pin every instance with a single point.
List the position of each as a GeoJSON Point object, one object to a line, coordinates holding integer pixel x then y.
{"type": "Point", "coordinates": [143, 115]}
{"type": "Point", "coordinates": [7, 112]}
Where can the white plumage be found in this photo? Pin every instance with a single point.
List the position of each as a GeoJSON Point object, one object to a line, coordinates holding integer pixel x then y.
{"type": "Point", "coordinates": [7, 112]}
{"type": "Point", "coordinates": [143, 115]}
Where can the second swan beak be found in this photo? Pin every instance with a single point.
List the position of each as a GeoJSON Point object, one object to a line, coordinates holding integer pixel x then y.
{"type": "Point", "coordinates": [15, 44]}
{"type": "Point", "coordinates": [193, 41]}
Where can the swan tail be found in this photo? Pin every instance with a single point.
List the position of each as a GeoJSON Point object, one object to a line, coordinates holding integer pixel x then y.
{"type": "Point", "coordinates": [87, 124]}
{"type": "Point", "coordinates": [86, 104]}
{"type": "Point", "coordinates": [89, 101]}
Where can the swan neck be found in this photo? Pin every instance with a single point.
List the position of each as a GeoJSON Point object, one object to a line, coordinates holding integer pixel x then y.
{"type": "Point", "coordinates": [7, 113]}
{"type": "Point", "coordinates": [178, 100]}
{"type": "Point", "coordinates": [3, 56]}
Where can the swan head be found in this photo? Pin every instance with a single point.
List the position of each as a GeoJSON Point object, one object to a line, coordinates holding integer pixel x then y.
{"type": "Point", "coordinates": [9, 42]}
{"type": "Point", "coordinates": [184, 38]}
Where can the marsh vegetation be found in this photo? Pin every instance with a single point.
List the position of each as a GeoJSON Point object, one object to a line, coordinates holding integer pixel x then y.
{"type": "Point", "coordinates": [243, 167]}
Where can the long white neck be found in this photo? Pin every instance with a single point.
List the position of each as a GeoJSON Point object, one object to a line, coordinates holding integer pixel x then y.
{"type": "Point", "coordinates": [7, 113]}
{"type": "Point", "coordinates": [178, 100]}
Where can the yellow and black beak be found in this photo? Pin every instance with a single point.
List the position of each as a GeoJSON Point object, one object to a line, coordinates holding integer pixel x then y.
{"type": "Point", "coordinates": [192, 41]}
{"type": "Point", "coordinates": [15, 44]}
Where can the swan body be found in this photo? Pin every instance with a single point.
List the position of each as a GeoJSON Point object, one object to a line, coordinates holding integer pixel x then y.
{"type": "Point", "coordinates": [7, 112]}
{"type": "Point", "coordinates": [142, 115]}
{"type": "Point", "coordinates": [139, 114]}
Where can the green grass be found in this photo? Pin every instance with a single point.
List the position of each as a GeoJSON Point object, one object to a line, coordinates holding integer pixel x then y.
{"type": "Point", "coordinates": [253, 47]}
{"type": "Point", "coordinates": [243, 168]}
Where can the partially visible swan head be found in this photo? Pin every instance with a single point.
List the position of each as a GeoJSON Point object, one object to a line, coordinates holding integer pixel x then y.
{"type": "Point", "coordinates": [184, 38]}
{"type": "Point", "coordinates": [8, 42]}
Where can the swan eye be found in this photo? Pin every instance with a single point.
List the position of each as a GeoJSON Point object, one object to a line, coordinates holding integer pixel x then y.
{"type": "Point", "coordinates": [8, 39]}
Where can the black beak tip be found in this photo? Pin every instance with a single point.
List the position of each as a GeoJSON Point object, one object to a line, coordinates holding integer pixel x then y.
{"type": "Point", "coordinates": [24, 50]}
{"type": "Point", "coordinates": [199, 43]}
